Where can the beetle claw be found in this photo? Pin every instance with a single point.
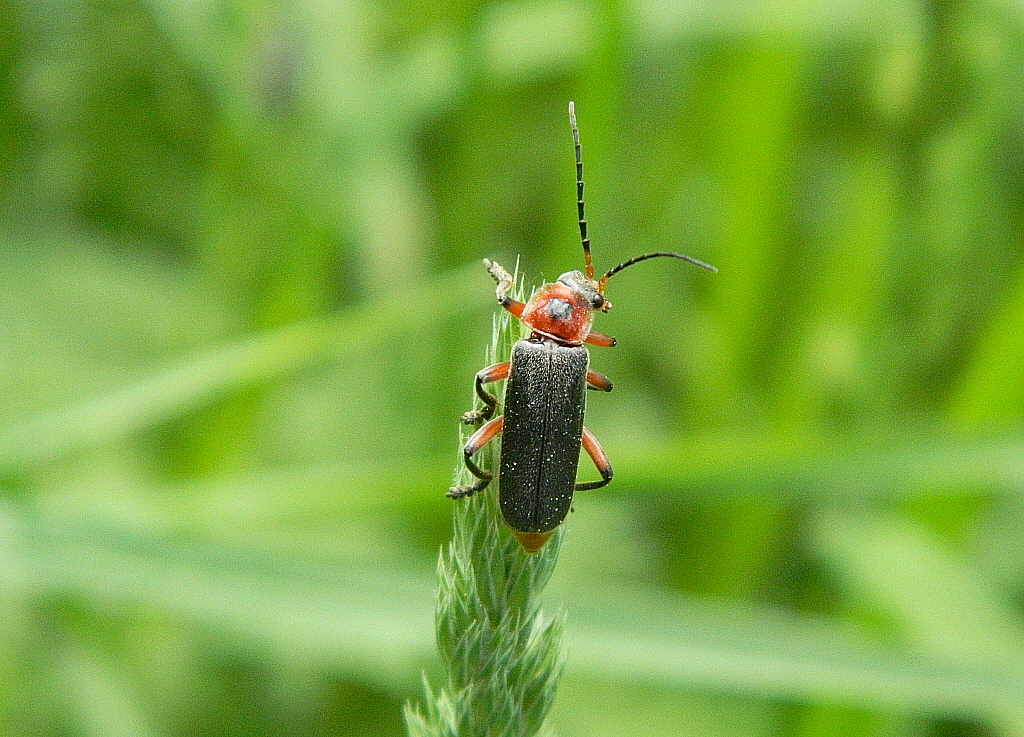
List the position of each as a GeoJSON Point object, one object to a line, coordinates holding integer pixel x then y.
{"type": "Point", "coordinates": [476, 416]}
{"type": "Point", "coordinates": [459, 492]}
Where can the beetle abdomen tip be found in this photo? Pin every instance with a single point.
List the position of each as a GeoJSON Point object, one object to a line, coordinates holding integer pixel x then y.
{"type": "Point", "coordinates": [532, 541]}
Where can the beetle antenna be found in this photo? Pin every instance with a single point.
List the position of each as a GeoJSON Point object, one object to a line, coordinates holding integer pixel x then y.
{"type": "Point", "coordinates": [638, 259]}
{"type": "Point", "coordinates": [579, 189]}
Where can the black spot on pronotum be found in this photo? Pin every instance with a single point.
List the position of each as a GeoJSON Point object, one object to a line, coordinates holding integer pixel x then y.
{"type": "Point", "coordinates": [559, 309]}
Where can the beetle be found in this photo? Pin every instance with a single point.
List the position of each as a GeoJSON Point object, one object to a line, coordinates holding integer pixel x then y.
{"type": "Point", "coordinates": [548, 373]}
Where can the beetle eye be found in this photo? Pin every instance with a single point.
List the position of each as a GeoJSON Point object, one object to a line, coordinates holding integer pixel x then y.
{"type": "Point", "coordinates": [597, 301]}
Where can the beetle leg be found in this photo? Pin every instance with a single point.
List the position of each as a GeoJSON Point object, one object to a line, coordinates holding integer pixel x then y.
{"type": "Point", "coordinates": [497, 372]}
{"type": "Point", "coordinates": [504, 279]}
{"type": "Point", "coordinates": [598, 381]}
{"type": "Point", "coordinates": [600, 339]}
{"type": "Point", "coordinates": [477, 441]}
{"type": "Point", "coordinates": [600, 460]}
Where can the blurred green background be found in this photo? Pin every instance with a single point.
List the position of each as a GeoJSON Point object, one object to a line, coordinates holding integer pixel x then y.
{"type": "Point", "coordinates": [241, 306]}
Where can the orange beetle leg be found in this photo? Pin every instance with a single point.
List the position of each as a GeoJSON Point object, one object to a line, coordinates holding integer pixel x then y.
{"type": "Point", "coordinates": [598, 381]}
{"type": "Point", "coordinates": [497, 372]}
{"type": "Point", "coordinates": [600, 339]}
{"type": "Point", "coordinates": [600, 460]}
{"type": "Point", "coordinates": [477, 441]}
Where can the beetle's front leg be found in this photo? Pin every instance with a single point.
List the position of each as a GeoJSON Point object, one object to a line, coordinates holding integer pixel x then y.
{"type": "Point", "coordinates": [497, 372]}
{"type": "Point", "coordinates": [604, 466]}
{"type": "Point", "coordinates": [600, 339]}
{"type": "Point", "coordinates": [477, 441]}
{"type": "Point", "coordinates": [504, 279]}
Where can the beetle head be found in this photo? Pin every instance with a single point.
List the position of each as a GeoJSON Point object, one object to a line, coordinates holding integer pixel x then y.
{"type": "Point", "coordinates": [586, 287]}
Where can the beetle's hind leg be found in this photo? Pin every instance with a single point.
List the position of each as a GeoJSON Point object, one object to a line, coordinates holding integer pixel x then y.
{"type": "Point", "coordinates": [477, 441]}
{"type": "Point", "coordinates": [604, 466]}
{"type": "Point", "coordinates": [497, 372]}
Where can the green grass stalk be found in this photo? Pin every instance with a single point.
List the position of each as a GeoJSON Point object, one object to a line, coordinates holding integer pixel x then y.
{"type": "Point", "coordinates": [501, 655]}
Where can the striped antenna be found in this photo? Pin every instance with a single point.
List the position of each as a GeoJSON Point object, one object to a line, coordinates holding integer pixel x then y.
{"type": "Point", "coordinates": [638, 259]}
{"type": "Point", "coordinates": [579, 190]}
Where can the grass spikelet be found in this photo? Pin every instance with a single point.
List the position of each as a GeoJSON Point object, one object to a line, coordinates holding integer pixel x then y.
{"type": "Point", "coordinates": [501, 654]}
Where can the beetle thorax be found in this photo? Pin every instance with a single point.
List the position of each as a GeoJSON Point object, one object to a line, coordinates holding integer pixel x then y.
{"type": "Point", "coordinates": [560, 312]}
